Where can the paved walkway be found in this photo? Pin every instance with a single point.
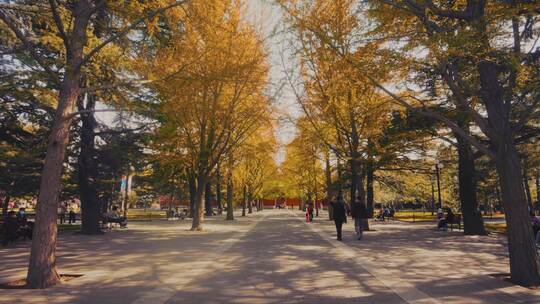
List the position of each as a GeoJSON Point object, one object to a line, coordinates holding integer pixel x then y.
{"type": "Point", "coordinates": [272, 257]}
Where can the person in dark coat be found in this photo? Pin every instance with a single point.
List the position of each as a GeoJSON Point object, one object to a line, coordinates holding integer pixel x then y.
{"type": "Point", "coordinates": [340, 215]}
{"type": "Point", "coordinates": [21, 217]}
{"type": "Point", "coordinates": [10, 228]}
{"type": "Point", "coordinates": [359, 215]}
{"type": "Point", "coordinates": [72, 217]}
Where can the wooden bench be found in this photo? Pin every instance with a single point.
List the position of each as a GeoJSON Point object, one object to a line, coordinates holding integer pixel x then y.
{"type": "Point", "coordinates": [455, 221]}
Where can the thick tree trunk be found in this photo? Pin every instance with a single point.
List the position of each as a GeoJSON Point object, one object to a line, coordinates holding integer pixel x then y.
{"type": "Point", "coordinates": [88, 169]}
{"type": "Point", "coordinates": [230, 211]}
{"type": "Point", "coordinates": [208, 199]}
{"type": "Point", "coordinates": [354, 166]}
{"type": "Point", "coordinates": [362, 196]}
{"type": "Point", "coordinates": [473, 224]}
{"type": "Point", "coordinates": [523, 258]}
{"type": "Point", "coordinates": [369, 189]}
{"type": "Point", "coordinates": [198, 215]}
{"type": "Point", "coordinates": [42, 267]}
{"type": "Point", "coordinates": [250, 202]}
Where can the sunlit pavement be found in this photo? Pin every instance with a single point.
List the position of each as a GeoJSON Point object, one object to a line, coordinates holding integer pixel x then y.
{"type": "Point", "coordinates": [272, 257]}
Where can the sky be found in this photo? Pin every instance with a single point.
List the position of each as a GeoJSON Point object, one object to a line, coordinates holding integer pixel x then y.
{"type": "Point", "coordinates": [266, 17]}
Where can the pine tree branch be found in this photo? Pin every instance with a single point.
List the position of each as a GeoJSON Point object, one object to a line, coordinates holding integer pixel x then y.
{"type": "Point", "coordinates": [127, 29]}
{"type": "Point", "coordinates": [59, 23]}
{"type": "Point", "coordinates": [15, 27]}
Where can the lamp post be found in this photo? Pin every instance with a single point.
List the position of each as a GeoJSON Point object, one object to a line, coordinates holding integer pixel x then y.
{"type": "Point", "coordinates": [438, 166]}
{"type": "Point", "coordinates": [432, 201]}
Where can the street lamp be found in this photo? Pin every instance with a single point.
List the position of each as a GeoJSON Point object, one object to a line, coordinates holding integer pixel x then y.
{"type": "Point", "coordinates": [432, 200]}
{"type": "Point", "coordinates": [438, 166]}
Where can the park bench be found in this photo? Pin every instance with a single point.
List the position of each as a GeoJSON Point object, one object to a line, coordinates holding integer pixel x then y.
{"type": "Point", "coordinates": [455, 221]}
{"type": "Point", "coordinates": [116, 221]}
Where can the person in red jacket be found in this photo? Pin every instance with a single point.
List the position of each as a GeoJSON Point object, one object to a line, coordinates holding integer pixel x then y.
{"type": "Point", "coordinates": [310, 212]}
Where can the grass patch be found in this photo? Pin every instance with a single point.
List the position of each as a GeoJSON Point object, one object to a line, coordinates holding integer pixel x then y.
{"type": "Point", "coordinates": [141, 215]}
{"type": "Point", "coordinates": [68, 227]}
{"type": "Point", "coordinates": [496, 227]}
{"type": "Point", "coordinates": [411, 216]}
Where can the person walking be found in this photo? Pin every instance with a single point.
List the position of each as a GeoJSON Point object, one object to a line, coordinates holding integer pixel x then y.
{"type": "Point", "coordinates": [340, 215]}
{"type": "Point", "coordinates": [21, 216]}
{"type": "Point", "coordinates": [72, 217]}
{"type": "Point", "coordinates": [10, 228]}
{"type": "Point", "coordinates": [310, 212]}
{"type": "Point", "coordinates": [62, 213]}
{"type": "Point", "coordinates": [359, 215]}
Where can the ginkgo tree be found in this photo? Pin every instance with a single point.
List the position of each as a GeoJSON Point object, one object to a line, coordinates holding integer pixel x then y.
{"type": "Point", "coordinates": [213, 99]}
{"type": "Point", "coordinates": [343, 107]}
{"type": "Point", "coordinates": [470, 58]}
{"type": "Point", "coordinates": [255, 164]}
{"type": "Point", "coordinates": [302, 168]}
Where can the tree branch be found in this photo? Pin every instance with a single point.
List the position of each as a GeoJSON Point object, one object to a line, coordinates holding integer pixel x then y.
{"type": "Point", "coordinates": [59, 24]}
{"type": "Point", "coordinates": [28, 45]}
{"type": "Point", "coordinates": [126, 30]}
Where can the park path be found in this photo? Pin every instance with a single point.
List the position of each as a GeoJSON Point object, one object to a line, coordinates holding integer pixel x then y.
{"type": "Point", "coordinates": [282, 261]}
{"type": "Point", "coordinates": [272, 257]}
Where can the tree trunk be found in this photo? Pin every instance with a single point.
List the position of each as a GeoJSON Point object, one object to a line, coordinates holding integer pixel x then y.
{"type": "Point", "coordinates": [230, 211]}
{"type": "Point", "coordinates": [354, 166]}
{"type": "Point", "coordinates": [5, 206]}
{"type": "Point", "coordinates": [328, 179]}
{"type": "Point", "coordinates": [218, 193]}
{"type": "Point", "coordinates": [369, 188]}
{"type": "Point", "coordinates": [250, 202]}
{"type": "Point", "coordinates": [528, 194]}
{"type": "Point", "coordinates": [537, 190]}
{"type": "Point", "coordinates": [473, 224]}
{"type": "Point", "coordinates": [192, 194]}
{"type": "Point", "coordinates": [198, 215]}
{"type": "Point", "coordinates": [208, 199]}
{"type": "Point", "coordinates": [244, 202]}
{"type": "Point", "coordinates": [316, 206]}
{"type": "Point", "coordinates": [88, 169]}
{"type": "Point", "coordinates": [42, 265]}
{"type": "Point", "coordinates": [362, 196]}
{"type": "Point", "coordinates": [523, 258]}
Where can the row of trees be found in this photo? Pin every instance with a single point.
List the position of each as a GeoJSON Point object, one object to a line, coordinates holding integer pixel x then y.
{"type": "Point", "coordinates": [380, 79]}
{"type": "Point", "coordinates": [187, 79]}
{"type": "Point", "coordinates": [213, 112]}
